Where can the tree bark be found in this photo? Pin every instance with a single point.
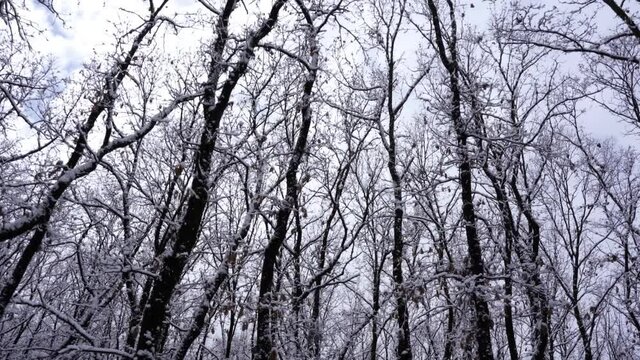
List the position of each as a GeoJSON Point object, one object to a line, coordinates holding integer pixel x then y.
{"type": "Point", "coordinates": [476, 263]}
{"type": "Point", "coordinates": [154, 316]}
{"type": "Point", "coordinates": [264, 347]}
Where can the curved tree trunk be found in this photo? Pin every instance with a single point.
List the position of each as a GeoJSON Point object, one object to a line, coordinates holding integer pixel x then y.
{"type": "Point", "coordinates": [264, 347]}
{"type": "Point", "coordinates": [476, 263]}
{"type": "Point", "coordinates": [154, 316]}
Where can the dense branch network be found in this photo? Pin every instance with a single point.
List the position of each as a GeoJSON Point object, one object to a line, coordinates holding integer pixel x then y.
{"type": "Point", "coordinates": [321, 179]}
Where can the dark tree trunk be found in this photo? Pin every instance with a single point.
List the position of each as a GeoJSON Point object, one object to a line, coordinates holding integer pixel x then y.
{"type": "Point", "coordinates": [264, 349]}
{"type": "Point", "coordinates": [509, 235]}
{"type": "Point", "coordinates": [403, 348]}
{"type": "Point", "coordinates": [297, 286]}
{"type": "Point", "coordinates": [536, 290]}
{"type": "Point", "coordinates": [154, 316]}
{"type": "Point", "coordinates": [474, 249]}
{"type": "Point", "coordinates": [212, 288]}
{"type": "Point", "coordinates": [375, 306]}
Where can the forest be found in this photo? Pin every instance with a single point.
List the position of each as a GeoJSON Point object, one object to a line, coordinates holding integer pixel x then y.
{"type": "Point", "coordinates": [320, 179]}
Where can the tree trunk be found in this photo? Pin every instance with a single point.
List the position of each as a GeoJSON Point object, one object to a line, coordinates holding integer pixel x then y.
{"type": "Point", "coordinates": [264, 349]}
{"type": "Point", "coordinates": [154, 317]}
{"type": "Point", "coordinates": [474, 249]}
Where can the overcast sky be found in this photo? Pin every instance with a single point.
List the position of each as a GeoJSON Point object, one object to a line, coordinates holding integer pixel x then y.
{"type": "Point", "coordinates": [90, 25]}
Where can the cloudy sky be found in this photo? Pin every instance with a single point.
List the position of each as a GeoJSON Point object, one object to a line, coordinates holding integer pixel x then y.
{"type": "Point", "coordinates": [85, 27]}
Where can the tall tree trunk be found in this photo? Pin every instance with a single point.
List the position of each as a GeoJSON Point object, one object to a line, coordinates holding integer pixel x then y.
{"type": "Point", "coordinates": [403, 350]}
{"type": "Point", "coordinates": [375, 306]}
{"type": "Point", "coordinates": [296, 305]}
{"type": "Point", "coordinates": [537, 292]}
{"type": "Point", "coordinates": [154, 316]}
{"type": "Point", "coordinates": [476, 263]}
{"type": "Point", "coordinates": [264, 347]}
{"type": "Point", "coordinates": [403, 347]}
{"type": "Point", "coordinates": [214, 285]}
{"type": "Point", "coordinates": [509, 235]}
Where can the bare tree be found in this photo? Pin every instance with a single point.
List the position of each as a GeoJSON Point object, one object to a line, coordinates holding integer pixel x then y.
{"type": "Point", "coordinates": [322, 180]}
{"type": "Point", "coordinates": [173, 262]}
{"type": "Point", "coordinates": [448, 54]}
